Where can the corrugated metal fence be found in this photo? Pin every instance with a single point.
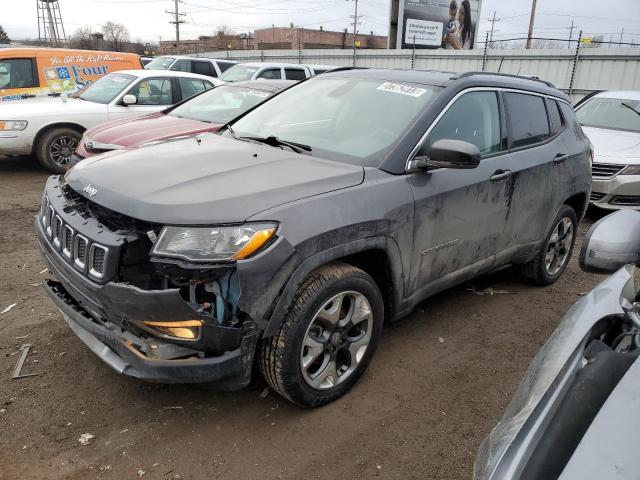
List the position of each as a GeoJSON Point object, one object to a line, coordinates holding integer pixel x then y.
{"type": "Point", "coordinates": [595, 68]}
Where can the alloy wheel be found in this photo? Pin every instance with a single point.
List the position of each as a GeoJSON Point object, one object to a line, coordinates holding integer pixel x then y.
{"type": "Point", "coordinates": [559, 246]}
{"type": "Point", "coordinates": [61, 149]}
{"type": "Point", "coordinates": [336, 340]}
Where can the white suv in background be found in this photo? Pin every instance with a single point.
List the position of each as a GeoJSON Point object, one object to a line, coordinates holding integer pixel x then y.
{"type": "Point", "coordinates": [211, 67]}
{"type": "Point", "coordinates": [266, 71]}
{"type": "Point", "coordinates": [611, 120]}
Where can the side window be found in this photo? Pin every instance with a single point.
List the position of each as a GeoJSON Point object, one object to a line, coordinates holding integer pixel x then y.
{"type": "Point", "coordinates": [182, 65]}
{"type": "Point", "coordinates": [17, 73]}
{"type": "Point", "coordinates": [222, 65]}
{"type": "Point", "coordinates": [203, 68]}
{"type": "Point", "coordinates": [528, 119]}
{"type": "Point", "coordinates": [554, 116]}
{"type": "Point", "coordinates": [191, 86]}
{"type": "Point", "coordinates": [153, 91]}
{"type": "Point", "coordinates": [294, 74]}
{"type": "Point", "coordinates": [270, 74]}
{"type": "Point", "coordinates": [473, 118]}
{"type": "Point", "coordinates": [569, 117]}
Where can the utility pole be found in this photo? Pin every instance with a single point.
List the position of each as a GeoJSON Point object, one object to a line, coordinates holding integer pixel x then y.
{"type": "Point", "coordinates": [531, 21]}
{"type": "Point", "coordinates": [571, 34]}
{"type": "Point", "coordinates": [177, 20]}
{"type": "Point", "coordinates": [355, 23]}
{"type": "Point", "coordinates": [621, 34]}
{"type": "Point", "coordinates": [355, 31]}
{"type": "Point", "coordinates": [493, 21]}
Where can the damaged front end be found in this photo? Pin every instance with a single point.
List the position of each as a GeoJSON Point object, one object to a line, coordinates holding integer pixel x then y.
{"type": "Point", "coordinates": [154, 316]}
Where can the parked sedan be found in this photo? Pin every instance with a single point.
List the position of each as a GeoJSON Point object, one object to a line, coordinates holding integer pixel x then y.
{"type": "Point", "coordinates": [51, 127]}
{"type": "Point", "coordinates": [575, 415]}
{"type": "Point", "coordinates": [207, 112]}
{"type": "Point", "coordinates": [611, 120]}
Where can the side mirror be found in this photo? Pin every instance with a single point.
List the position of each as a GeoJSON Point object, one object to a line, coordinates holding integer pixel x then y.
{"type": "Point", "coordinates": [447, 154]}
{"type": "Point", "coordinates": [612, 242]}
{"type": "Point", "coordinates": [129, 99]}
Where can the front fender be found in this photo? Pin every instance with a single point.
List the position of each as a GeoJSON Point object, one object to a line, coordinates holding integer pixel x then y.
{"type": "Point", "coordinates": [268, 285]}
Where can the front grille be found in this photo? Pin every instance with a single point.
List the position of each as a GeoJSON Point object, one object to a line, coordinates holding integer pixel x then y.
{"type": "Point", "coordinates": [596, 196]}
{"type": "Point", "coordinates": [87, 256]}
{"type": "Point", "coordinates": [626, 200]}
{"type": "Point", "coordinates": [605, 170]}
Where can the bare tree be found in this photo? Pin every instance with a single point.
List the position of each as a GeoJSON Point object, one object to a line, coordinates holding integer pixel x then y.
{"type": "Point", "coordinates": [4, 38]}
{"type": "Point", "coordinates": [115, 35]}
{"type": "Point", "coordinates": [596, 42]}
{"type": "Point", "coordinates": [82, 38]}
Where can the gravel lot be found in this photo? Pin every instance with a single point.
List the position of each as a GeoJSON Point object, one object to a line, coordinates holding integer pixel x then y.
{"type": "Point", "coordinates": [438, 383]}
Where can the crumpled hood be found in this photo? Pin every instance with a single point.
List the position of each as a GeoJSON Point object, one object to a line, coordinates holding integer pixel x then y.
{"type": "Point", "coordinates": [614, 146]}
{"type": "Point", "coordinates": [43, 106]}
{"type": "Point", "coordinates": [205, 179]}
{"type": "Point", "coordinates": [130, 132]}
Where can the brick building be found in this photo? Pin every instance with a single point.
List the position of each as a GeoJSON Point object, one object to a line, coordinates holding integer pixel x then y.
{"type": "Point", "coordinates": [287, 38]}
{"type": "Point", "coordinates": [274, 38]}
{"type": "Point", "coordinates": [207, 44]}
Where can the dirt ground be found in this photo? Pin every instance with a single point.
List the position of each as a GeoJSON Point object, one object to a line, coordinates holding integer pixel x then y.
{"type": "Point", "coordinates": [438, 383]}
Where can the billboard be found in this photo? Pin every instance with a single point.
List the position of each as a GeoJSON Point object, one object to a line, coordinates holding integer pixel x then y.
{"type": "Point", "coordinates": [450, 24]}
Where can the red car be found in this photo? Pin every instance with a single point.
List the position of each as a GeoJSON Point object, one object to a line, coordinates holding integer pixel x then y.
{"type": "Point", "coordinates": [206, 112]}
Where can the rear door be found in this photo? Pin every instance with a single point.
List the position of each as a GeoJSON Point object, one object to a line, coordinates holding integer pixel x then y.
{"type": "Point", "coordinates": [460, 214]}
{"type": "Point", "coordinates": [203, 67]}
{"type": "Point", "coordinates": [292, 73]}
{"type": "Point", "coordinates": [534, 143]}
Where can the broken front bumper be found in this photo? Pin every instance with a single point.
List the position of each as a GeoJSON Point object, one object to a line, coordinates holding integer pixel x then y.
{"type": "Point", "coordinates": [118, 350]}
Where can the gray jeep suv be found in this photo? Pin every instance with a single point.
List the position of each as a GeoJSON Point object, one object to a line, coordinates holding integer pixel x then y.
{"type": "Point", "coordinates": [286, 240]}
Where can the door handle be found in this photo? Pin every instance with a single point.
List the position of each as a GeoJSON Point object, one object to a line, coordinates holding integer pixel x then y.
{"type": "Point", "coordinates": [561, 157]}
{"type": "Point", "coordinates": [500, 175]}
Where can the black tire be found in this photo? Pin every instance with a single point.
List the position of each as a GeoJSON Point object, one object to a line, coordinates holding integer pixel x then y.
{"type": "Point", "coordinates": [536, 271]}
{"type": "Point", "coordinates": [43, 152]}
{"type": "Point", "coordinates": [280, 356]}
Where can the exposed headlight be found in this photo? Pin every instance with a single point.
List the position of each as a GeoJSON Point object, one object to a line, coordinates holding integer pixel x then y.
{"type": "Point", "coordinates": [631, 170]}
{"type": "Point", "coordinates": [14, 125]}
{"type": "Point", "coordinates": [209, 244]}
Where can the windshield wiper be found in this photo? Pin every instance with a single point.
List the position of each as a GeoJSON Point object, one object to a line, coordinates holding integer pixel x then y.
{"type": "Point", "coordinates": [274, 141]}
{"type": "Point", "coordinates": [629, 107]}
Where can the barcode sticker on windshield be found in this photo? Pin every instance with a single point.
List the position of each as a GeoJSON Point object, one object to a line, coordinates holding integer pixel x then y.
{"type": "Point", "coordinates": [257, 93]}
{"type": "Point", "coordinates": [403, 89]}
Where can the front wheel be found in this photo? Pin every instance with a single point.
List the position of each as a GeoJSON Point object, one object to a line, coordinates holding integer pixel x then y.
{"type": "Point", "coordinates": [55, 147]}
{"type": "Point", "coordinates": [554, 256]}
{"type": "Point", "coordinates": [327, 338]}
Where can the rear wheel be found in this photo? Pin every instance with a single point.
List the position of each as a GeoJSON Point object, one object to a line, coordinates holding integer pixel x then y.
{"type": "Point", "coordinates": [556, 251]}
{"type": "Point", "coordinates": [327, 338]}
{"type": "Point", "coordinates": [55, 147]}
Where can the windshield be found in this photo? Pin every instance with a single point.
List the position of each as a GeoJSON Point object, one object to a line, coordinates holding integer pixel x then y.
{"type": "Point", "coordinates": [159, 63]}
{"type": "Point", "coordinates": [221, 104]}
{"type": "Point", "coordinates": [238, 73]}
{"type": "Point", "coordinates": [613, 113]}
{"type": "Point", "coordinates": [107, 88]}
{"type": "Point", "coordinates": [352, 120]}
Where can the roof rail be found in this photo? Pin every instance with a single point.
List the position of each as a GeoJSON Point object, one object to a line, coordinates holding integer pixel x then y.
{"type": "Point", "coordinates": [523, 77]}
{"type": "Point", "coordinates": [342, 69]}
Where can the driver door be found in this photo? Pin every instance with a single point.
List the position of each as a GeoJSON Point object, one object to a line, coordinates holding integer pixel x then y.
{"type": "Point", "coordinates": [460, 214]}
{"type": "Point", "coordinates": [152, 94]}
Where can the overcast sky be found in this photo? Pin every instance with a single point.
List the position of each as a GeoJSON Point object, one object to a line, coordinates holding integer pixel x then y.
{"type": "Point", "coordinates": [147, 20]}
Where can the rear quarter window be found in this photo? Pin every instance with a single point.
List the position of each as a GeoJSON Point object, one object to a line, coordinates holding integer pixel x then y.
{"type": "Point", "coordinates": [528, 119]}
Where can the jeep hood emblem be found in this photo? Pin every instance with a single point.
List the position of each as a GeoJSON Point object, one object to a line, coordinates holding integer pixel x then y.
{"type": "Point", "coordinates": [90, 190]}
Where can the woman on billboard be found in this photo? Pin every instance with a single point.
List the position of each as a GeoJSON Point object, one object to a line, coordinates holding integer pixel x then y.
{"type": "Point", "coordinates": [462, 37]}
